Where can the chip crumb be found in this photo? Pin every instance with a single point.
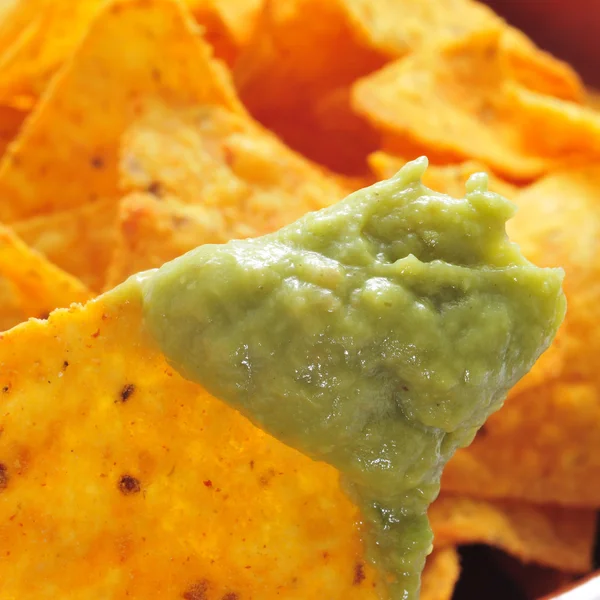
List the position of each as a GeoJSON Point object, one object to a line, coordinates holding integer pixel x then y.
{"type": "Point", "coordinates": [129, 485]}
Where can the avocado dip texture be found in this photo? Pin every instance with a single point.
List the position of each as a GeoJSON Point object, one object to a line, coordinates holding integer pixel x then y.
{"type": "Point", "coordinates": [376, 335]}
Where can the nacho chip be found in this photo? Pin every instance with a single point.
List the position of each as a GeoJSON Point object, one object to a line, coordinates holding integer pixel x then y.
{"type": "Point", "coordinates": [80, 240]}
{"type": "Point", "coordinates": [449, 179]}
{"type": "Point", "coordinates": [551, 536]}
{"type": "Point", "coordinates": [122, 479]}
{"type": "Point", "coordinates": [460, 101]}
{"type": "Point", "coordinates": [292, 66]}
{"type": "Point", "coordinates": [29, 285]}
{"type": "Point", "coordinates": [240, 178]}
{"type": "Point", "coordinates": [440, 575]}
{"type": "Point", "coordinates": [543, 446]}
{"type": "Point", "coordinates": [66, 154]}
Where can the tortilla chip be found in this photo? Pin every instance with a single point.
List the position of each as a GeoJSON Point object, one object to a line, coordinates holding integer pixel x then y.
{"type": "Point", "coordinates": [242, 179]}
{"type": "Point", "coordinates": [556, 537]}
{"type": "Point", "coordinates": [81, 240]}
{"type": "Point", "coordinates": [123, 480]}
{"type": "Point", "coordinates": [35, 38]}
{"type": "Point", "coordinates": [292, 65]}
{"type": "Point", "coordinates": [66, 154]}
{"type": "Point", "coordinates": [30, 286]}
{"type": "Point", "coordinates": [543, 446]}
{"type": "Point", "coordinates": [460, 101]}
{"type": "Point", "coordinates": [440, 575]}
{"type": "Point", "coordinates": [449, 179]}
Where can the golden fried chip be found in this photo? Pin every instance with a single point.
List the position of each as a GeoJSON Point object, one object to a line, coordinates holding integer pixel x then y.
{"type": "Point", "coordinates": [449, 179]}
{"type": "Point", "coordinates": [66, 154]}
{"type": "Point", "coordinates": [544, 445]}
{"type": "Point", "coordinates": [121, 479]}
{"type": "Point", "coordinates": [292, 66]}
{"type": "Point", "coordinates": [80, 240]}
{"type": "Point", "coordinates": [30, 286]}
{"type": "Point", "coordinates": [557, 537]}
{"type": "Point", "coordinates": [460, 101]}
{"type": "Point", "coordinates": [240, 178]}
{"type": "Point", "coordinates": [440, 575]}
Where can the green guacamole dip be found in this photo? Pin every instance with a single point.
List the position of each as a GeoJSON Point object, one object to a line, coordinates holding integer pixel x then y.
{"type": "Point", "coordinates": [376, 335]}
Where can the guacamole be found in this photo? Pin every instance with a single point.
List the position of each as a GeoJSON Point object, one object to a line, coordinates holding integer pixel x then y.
{"type": "Point", "coordinates": [377, 335]}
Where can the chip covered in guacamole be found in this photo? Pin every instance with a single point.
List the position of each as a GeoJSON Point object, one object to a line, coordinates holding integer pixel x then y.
{"type": "Point", "coordinates": [376, 335]}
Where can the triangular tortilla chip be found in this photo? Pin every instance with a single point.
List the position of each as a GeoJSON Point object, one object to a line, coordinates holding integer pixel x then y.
{"type": "Point", "coordinates": [544, 444]}
{"type": "Point", "coordinates": [552, 536]}
{"type": "Point", "coordinates": [119, 478]}
{"type": "Point", "coordinates": [238, 179]}
{"type": "Point", "coordinates": [461, 101]}
{"type": "Point", "coordinates": [66, 154]}
{"type": "Point", "coordinates": [291, 77]}
{"type": "Point", "coordinates": [30, 286]}
{"type": "Point", "coordinates": [449, 179]}
{"type": "Point", "coordinates": [81, 240]}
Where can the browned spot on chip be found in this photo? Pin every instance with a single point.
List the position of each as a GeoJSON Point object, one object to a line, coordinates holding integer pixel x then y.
{"type": "Point", "coordinates": [6, 389]}
{"type": "Point", "coordinates": [207, 483]}
{"type": "Point", "coordinates": [231, 596]}
{"type": "Point", "coordinates": [129, 485]}
{"type": "Point", "coordinates": [3, 477]}
{"type": "Point", "coordinates": [127, 392]}
{"type": "Point", "coordinates": [359, 574]}
{"type": "Point", "coordinates": [97, 162]}
{"type": "Point", "coordinates": [197, 591]}
{"type": "Point", "coordinates": [65, 365]}
{"type": "Point", "coordinates": [155, 188]}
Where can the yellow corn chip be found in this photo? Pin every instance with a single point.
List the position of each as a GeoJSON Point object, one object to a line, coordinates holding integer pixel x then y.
{"type": "Point", "coordinates": [551, 536]}
{"type": "Point", "coordinates": [240, 178]}
{"type": "Point", "coordinates": [120, 479]}
{"type": "Point", "coordinates": [460, 101]}
{"type": "Point", "coordinates": [449, 179]}
{"type": "Point", "coordinates": [80, 240]}
{"type": "Point", "coordinates": [30, 286]}
{"type": "Point", "coordinates": [292, 79]}
{"type": "Point", "coordinates": [66, 154]}
{"type": "Point", "coordinates": [440, 575]}
{"type": "Point", "coordinates": [543, 445]}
